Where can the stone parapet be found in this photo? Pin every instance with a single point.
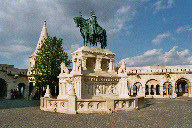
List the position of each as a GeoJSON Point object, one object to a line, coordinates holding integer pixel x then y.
{"type": "Point", "coordinates": [74, 106]}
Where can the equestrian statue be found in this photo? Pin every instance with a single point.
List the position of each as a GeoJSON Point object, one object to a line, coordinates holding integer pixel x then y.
{"type": "Point", "coordinates": [91, 31]}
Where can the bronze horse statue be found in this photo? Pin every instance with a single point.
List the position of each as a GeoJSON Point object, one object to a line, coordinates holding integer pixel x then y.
{"type": "Point", "coordinates": [94, 35]}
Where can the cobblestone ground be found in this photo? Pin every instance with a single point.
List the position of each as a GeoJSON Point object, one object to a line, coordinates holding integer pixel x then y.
{"type": "Point", "coordinates": [157, 113]}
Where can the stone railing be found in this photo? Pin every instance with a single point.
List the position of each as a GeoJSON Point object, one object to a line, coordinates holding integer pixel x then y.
{"type": "Point", "coordinates": [160, 69]}
{"type": "Point", "coordinates": [91, 105]}
{"type": "Point", "coordinates": [53, 105]}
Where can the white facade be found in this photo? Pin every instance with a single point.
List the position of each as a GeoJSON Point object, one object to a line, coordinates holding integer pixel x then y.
{"type": "Point", "coordinates": [160, 81]}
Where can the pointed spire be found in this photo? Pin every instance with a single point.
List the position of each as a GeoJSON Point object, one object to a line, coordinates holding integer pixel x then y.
{"type": "Point", "coordinates": [43, 35]}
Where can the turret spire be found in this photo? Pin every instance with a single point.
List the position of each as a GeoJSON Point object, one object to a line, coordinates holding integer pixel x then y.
{"type": "Point", "coordinates": [43, 35]}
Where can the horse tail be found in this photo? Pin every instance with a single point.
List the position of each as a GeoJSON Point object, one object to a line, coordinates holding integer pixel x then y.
{"type": "Point", "coordinates": [105, 38]}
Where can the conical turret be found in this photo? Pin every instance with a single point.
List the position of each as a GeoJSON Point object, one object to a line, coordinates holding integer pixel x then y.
{"type": "Point", "coordinates": [44, 35]}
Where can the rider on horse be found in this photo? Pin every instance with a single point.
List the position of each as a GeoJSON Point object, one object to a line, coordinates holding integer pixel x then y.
{"type": "Point", "coordinates": [92, 23]}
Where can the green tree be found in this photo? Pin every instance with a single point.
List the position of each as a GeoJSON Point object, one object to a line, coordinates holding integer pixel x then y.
{"type": "Point", "coordinates": [47, 62]}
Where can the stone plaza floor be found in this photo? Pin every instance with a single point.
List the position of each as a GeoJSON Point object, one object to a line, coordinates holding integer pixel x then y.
{"type": "Point", "coordinates": [157, 113]}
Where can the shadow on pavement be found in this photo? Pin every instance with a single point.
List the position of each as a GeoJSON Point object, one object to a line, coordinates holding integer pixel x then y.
{"type": "Point", "coordinates": [148, 102]}
{"type": "Point", "coordinates": [18, 103]}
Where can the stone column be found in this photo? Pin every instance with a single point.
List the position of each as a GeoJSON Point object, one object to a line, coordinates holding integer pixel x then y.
{"type": "Point", "coordinates": [74, 64]}
{"type": "Point", "coordinates": [111, 65]}
{"type": "Point", "coordinates": [190, 90]}
{"type": "Point", "coordinates": [123, 88]}
{"type": "Point", "coordinates": [84, 63]}
{"type": "Point", "coordinates": [155, 87]}
{"type": "Point", "coordinates": [62, 91]}
{"type": "Point", "coordinates": [173, 90]}
{"type": "Point", "coordinates": [72, 101]}
{"type": "Point", "coordinates": [161, 89]}
{"type": "Point", "coordinates": [166, 84]}
{"type": "Point", "coordinates": [98, 64]}
{"type": "Point", "coordinates": [149, 86]}
{"type": "Point", "coordinates": [142, 89]}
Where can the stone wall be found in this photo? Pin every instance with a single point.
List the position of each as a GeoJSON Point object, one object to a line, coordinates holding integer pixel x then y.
{"type": "Point", "coordinates": [14, 77]}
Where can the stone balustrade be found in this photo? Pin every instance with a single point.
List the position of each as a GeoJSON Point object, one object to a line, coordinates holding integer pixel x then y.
{"type": "Point", "coordinates": [91, 105]}
{"type": "Point", "coordinates": [159, 69]}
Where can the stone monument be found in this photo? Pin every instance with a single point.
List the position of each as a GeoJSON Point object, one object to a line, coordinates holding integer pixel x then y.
{"type": "Point", "coordinates": [93, 85]}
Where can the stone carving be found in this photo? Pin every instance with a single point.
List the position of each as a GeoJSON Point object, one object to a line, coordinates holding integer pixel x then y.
{"type": "Point", "coordinates": [71, 91]}
{"type": "Point", "coordinates": [47, 94]}
{"type": "Point", "coordinates": [64, 69]}
{"type": "Point", "coordinates": [109, 90]}
{"type": "Point", "coordinates": [122, 69]}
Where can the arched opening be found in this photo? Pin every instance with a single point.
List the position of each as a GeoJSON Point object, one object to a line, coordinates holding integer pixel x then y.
{"type": "Point", "coordinates": [152, 90]}
{"type": "Point", "coordinates": [30, 87]}
{"type": "Point", "coordinates": [182, 87]}
{"type": "Point", "coordinates": [170, 89]}
{"type": "Point", "coordinates": [3, 88]}
{"type": "Point", "coordinates": [134, 90]}
{"type": "Point", "coordinates": [164, 89]}
{"type": "Point", "coordinates": [153, 86]}
{"type": "Point", "coordinates": [146, 90]}
{"type": "Point", "coordinates": [157, 90]}
{"type": "Point", "coordinates": [21, 90]}
{"type": "Point", "coordinates": [137, 88]}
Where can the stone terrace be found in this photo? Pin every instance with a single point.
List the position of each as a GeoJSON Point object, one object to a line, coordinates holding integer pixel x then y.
{"type": "Point", "coordinates": [157, 113]}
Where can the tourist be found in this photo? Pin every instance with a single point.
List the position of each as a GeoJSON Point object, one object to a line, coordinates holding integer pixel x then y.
{"type": "Point", "coordinates": [12, 95]}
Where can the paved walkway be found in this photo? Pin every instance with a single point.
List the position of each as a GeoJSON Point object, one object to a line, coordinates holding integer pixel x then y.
{"type": "Point", "coordinates": [157, 113]}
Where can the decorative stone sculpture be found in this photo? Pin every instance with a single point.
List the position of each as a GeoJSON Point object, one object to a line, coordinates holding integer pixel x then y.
{"type": "Point", "coordinates": [64, 69]}
{"type": "Point", "coordinates": [47, 94]}
{"type": "Point", "coordinates": [122, 69]}
{"type": "Point", "coordinates": [71, 91]}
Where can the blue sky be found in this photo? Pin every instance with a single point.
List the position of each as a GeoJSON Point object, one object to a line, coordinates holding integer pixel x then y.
{"type": "Point", "coordinates": [140, 32]}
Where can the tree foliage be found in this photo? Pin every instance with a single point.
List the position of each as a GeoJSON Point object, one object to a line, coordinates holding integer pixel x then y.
{"type": "Point", "coordinates": [48, 60]}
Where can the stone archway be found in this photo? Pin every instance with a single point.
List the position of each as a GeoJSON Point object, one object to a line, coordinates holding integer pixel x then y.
{"type": "Point", "coordinates": [30, 88]}
{"type": "Point", "coordinates": [136, 87]}
{"type": "Point", "coordinates": [182, 87]}
{"type": "Point", "coordinates": [152, 88]}
{"type": "Point", "coordinates": [21, 90]}
{"type": "Point", "coordinates": [3, 88]}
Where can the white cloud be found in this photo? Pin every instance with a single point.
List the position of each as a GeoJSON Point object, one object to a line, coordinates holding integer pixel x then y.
{"type": "Point", "coordinates": [122, 15]}
{"type": "Point", "coordinates": [73, 48]}
{"type": "Point", "coordinates": [10, 51]}
{"type": "Point", "coordinates": [163, 4]}
{"type": "Point", "coordinates": [156, 57]}
{"type": "Point", "coordinates": [160, 37]}
{"type": "Point", "coordinates": [184, 28]}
